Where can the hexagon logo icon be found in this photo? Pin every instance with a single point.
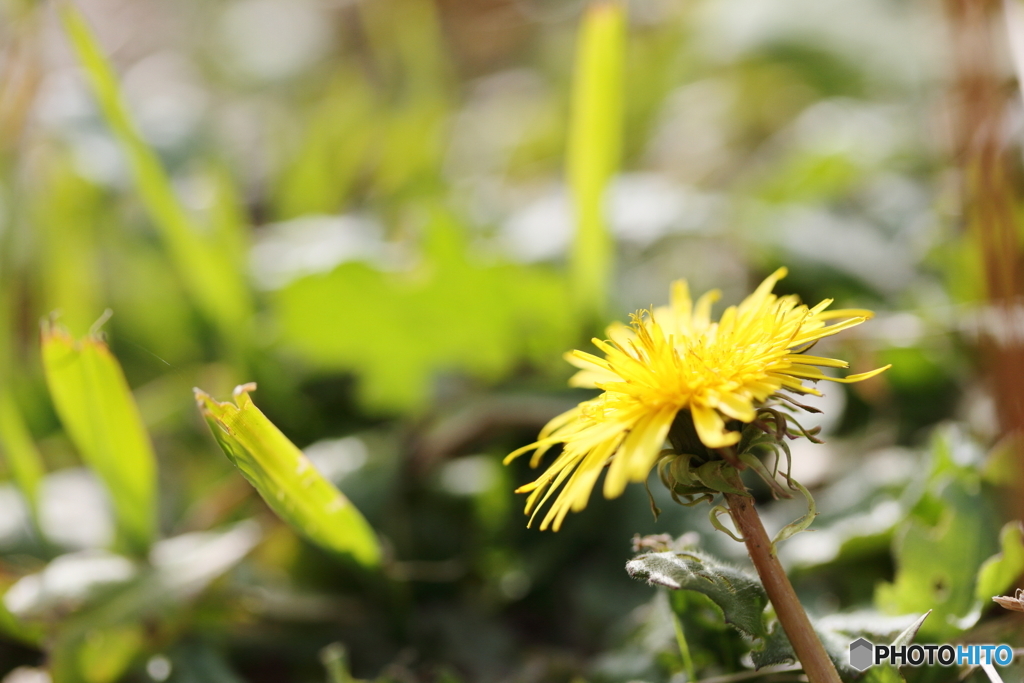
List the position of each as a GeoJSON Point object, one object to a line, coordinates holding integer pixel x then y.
{"type": "Point", "coordinates": [861, 654]}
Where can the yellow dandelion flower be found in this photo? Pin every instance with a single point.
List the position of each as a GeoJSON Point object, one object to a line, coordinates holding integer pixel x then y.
{"type": "Point", "coordinates": [675, 358]}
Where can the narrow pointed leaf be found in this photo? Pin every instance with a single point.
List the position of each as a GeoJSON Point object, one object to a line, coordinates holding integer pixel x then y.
{"type": "Point", "coordinates": [592, 156]}
{"type": "Point", "coordinates": [207, 271]}
{"type": "Point", "coordinates": [23, 458]}
{"type": "Point", "coordinates": [285, 478]}
{"type": "Point", "coordinates": [907, 635]}
{"type": "Point", "coordinates": [98, 411]}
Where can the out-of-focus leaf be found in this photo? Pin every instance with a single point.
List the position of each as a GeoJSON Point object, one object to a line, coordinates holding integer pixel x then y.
{"type": "Point", "coordinates": [98, 411]}
{"type": "Point", "coordinates": [66, 213]}
{"type": "Point", "coordinates": [334, 657]}
{"type": "Point", "coordinates": [105, 604]}
{"type": "Point", "coordinates": [198, 661]}
{"type": "Point", "coordinates": [13, 627]}
{"type": "Point", "coordinates": [884, 673]}
{"type": "Point", "coordinates": [999, 571]}
{"type": "Point", "coordinates": [66, 584]}
{"type": "Point", "coordinates": [740, 596]}
{"type": "Point", "coordinates": [940, 549]}
{"type": "Point", "coordinates": [206, 269]}
{"type": "Point", "coordinates": [286, 479]}
{"type": "Point", "coordinates": [23, 458]}
{"type": "Point", "coordinates": [336, 137]}
{"type": "Point", "coordinates": [106, 654]}
{"type": "Point", "coordinates": [592, 155]}
{"type": "Point", "coordinates": [406, 39]}
{"type": "Point", "coordinates": [397, 331]}
{"type": "Point", "coordinates": [152, 307]}
{"type": "Point", "coordinates": [811, 176]}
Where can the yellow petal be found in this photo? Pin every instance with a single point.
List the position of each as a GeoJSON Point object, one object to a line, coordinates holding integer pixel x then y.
{"type": "Point", "coordinates": [711, 428]}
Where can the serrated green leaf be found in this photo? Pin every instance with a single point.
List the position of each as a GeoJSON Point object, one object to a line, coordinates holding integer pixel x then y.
{"type": "Point", "coordinates": [740, 596]}
{"type": "Point", "coordinates": [998, 572]}
{"type": "Point", "coordinates": [285, 478]}
{"type": "Point", "coordinates": [217, 287]}
{"type": "Point", "coordinates": [776, 650]}
{"type": "Point", "coordinates": [98, 411]}
{"type": "Point", "coordinates": [592, 155]}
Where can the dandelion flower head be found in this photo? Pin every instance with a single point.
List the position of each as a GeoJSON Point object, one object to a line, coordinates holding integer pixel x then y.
{"type": "Point", "coordinates": [675, 358]}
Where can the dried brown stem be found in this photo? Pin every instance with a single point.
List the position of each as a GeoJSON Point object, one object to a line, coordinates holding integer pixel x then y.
{"type": "Point", "coordinates": [790, 612]}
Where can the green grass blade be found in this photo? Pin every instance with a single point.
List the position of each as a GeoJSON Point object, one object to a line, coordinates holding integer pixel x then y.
{"type": "Point", "coordinates": [66, 213]}
{"type": "Point", "coordinates": [592, 155]}
{"type": "Point", "coordinates": [286, 480]}
{"type": "Point", "coordinates": [23, 458]}
{"type": "Point", "coordinates": [98, 411]}
{"type": "Point", "coordinates": [217, 287]}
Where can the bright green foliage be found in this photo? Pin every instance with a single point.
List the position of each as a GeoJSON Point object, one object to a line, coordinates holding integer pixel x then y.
{"type": "Point", "coordinates": [937, 562]}
{"type": "Point", "coordinates": [286, 479]}
{"type": "Point", "coordinates": [998, 572]}
{"type": "Point", "coordinates": [593, 147]}
{"type": "Point", "coordinates": [441, 317]}
{"type": "Point", "coordinates": [205, 266]}
{"type": "Point", "coordinates": [94, 402]}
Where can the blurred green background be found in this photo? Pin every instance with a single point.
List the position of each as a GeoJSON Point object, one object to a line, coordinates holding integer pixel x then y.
{"type": "Point", "coordinates": [394, 216]}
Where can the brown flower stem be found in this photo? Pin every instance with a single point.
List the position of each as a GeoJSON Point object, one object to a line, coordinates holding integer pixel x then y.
{"type": "Point", "coordinates": [790, 612]}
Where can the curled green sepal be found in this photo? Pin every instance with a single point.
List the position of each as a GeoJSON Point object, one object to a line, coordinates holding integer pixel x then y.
{"type": "Point", "coordinates": [718, 475]}
{"type": "Point", "coordinates": [801, 524]}
{"type": "Point", "coordinates": [754, 463]}
{"type": "Point", "coordinates": [715, 513]}
{"type": "Point", "coordinates": [675, 473]}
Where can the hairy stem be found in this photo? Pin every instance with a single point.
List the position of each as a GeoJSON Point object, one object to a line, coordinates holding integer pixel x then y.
{"type": "Point", "coordinates": [790, 612]}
